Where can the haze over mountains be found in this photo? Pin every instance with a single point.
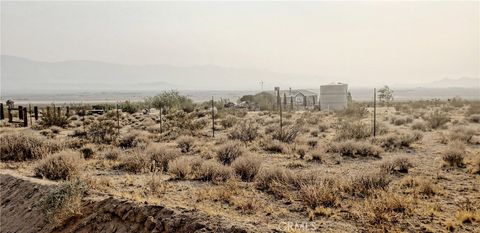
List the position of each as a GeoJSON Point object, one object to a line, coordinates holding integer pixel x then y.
{"type": "Point", "coordinates": [21, 75]}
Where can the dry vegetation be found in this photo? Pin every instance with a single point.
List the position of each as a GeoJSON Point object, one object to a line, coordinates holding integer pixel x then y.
{"type": "Point", "coordinates": [420, 174]}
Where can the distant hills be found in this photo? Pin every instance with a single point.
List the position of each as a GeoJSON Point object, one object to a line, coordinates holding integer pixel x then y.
{"type": "Point", "coordinates": [21, 75]}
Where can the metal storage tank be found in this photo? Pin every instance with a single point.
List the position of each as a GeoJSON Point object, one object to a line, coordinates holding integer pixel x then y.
{"type": "Point", "coordinates": [333, 97]}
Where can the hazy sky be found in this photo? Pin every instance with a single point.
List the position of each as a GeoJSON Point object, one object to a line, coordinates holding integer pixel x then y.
{"type": "Point", "coordinates": [357, 42]}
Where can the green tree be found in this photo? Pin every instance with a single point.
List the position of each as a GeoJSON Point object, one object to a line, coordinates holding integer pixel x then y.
{"type": "Point", "coordinates": [170, 101]}
{"type": "Point", "coordinates": [385, 95]}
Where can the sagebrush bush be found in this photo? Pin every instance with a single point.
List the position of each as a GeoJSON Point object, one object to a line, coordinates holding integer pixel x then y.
{"type": "Point", "coordinates": [401, 165]}
{"type": "Point", "coordinates": [461, 133]}
{"type": "Point", "coordinates": [229, 121]}
{"type": "Point", "coordinates": [63, 201]}
{"type": "Point", "coordinates": [247, 167]}
{"type": "Point", "coordinates": [437, 119]}
{"type": "Point", "coordinates": [385, 206]}
{"type": "Point", "coordinates": [365, 184]}
{"type": "Point", "coordinates": [135, 162]}
{"type": "Point", "coordinates": [288, 134]}
{"type": "Point", "coordinates": [317, 154]}
{"type": "Point", "coordinates": [352, 130]}
{"type": "Point", "coordinates": [323, 192]}
{"type": "Point", "coordinates": [132, 139]}
{"type": "Point", "coordinates": [246, 132]}
{"type": "Point", "coordinates": [352, 148]}
{"type": "Point", "coordinates": [49, 120]}
{"type": "Point", "coordinates": [180, 167]}
{"type": "Point", "coordinates": [400, 120]}
{"type": "Point", "coordinates": [419, 125]}
{"type": "Point", "coordinates": [186, 144]}
{"type": "Point", "coordinates": [273, 146]}
{"type": "Point", "coordinates": [161, 155]}
{"type": "Point", "coordinates": [454, 154]}
{"type": "Point", "coordinates": [63, 165]}
{"type": "Point", "coordinates": [228, 152]}
{"type": "Point", "coordinates": [274, 179]}
{"type": "Point", "coordinates": [397, 140]}
{"type": "Point", "coordinates": [87, 151]}
{"type": "Point", "coordinates": [214, 171]}
{"type": "Point", "coordinates": [23, 147]}
{"type": "Point", "coordinates": [102, 131]}
{"type": "Point", "coordinates": [475, 118]}
{"type": "Point", "coordinates": [112, 153]}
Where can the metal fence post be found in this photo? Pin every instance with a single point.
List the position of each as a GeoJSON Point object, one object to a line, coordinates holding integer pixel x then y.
{"type": "Point", "coordinates": [374, 112]}
{"type": "Point", "coordinates": [35, 112]}
{"type": "Point", "coordinates": [213, 119]}
{"type": "Point", "coordinates": [25, 117]}
{"type": "Point", "coordinates": [1, 112]}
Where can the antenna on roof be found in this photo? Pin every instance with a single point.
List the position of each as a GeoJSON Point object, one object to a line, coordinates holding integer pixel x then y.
{"type": "Point", "coordinates": [261, 85]}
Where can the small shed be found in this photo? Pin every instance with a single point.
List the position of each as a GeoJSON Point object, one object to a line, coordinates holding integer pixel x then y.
{"type": "Point", "coordinates": [333, 97]}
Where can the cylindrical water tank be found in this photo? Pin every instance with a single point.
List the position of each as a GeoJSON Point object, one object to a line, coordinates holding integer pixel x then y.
{"type": "Point", "coordinates": [333, 97]}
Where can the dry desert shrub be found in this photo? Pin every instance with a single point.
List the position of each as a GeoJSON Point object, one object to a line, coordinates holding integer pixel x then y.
{"type": "Point", "coordinates": [63, 201]}
{"type": "Point", "coordinates": [229, 121]}
{"type": "Point", "coordinates": [419, 125]}
{"type": "Point", "coordinates": [288, 134]}
{"type": "Point", "coordinates": [475, 165]}
{"type": "Point", "coordinates": [385, 207]}
{"type": "Point", "coordinates": [48, 120]}
{"type": "Point", "coordinates": [161, 155]}
{"type": "Point", "coordinates": [245, 132]}
{"type": "Point", "coordinates": [454, 154]}
{"type": "Point", "coordinates": [23, 147]}
{"type": "Point", "coordinates": [133, 139]}
{"type": "Point", "coordinates": [400, 165]}
{"type": "Point", "coordinates": [322, 193]}
{"type": "Point", "coordinates": [135, 162]}
{"type": "Point", "coordinates": [186, 144]}
{"type": "Point", "coordinates": [461, 133]}
{"type": "Point", "coordinates": [312, 142]}
{"type": "Point", "coordinates": [355, 149]}
{"type": "Point", "coordinates": [63, 165]}
{"type": "Point", "coordinates": [394, 141]}
{"type": "Point", "coordinates": [55, 129]}
{"type": "Point", "coordinates": [274, 180]}
{"type": "Point", "coordinates": [87, 151]}
{"type": "Point", "coordinates": [437, 119]}
{"type": "Point", "coordinates": [214, 171]}
{"type": "Point", "coordinates": [352, 130]}
{"type": "Point", "coordinates": [180, 167]}
{"type": "Point", "coordinates": [102, 131]}
{"type": "Point", "coordinates": [301, 151]}
{"type": "Point", "coordinates": [475, 118]}
{"type": "Point", "coordinates": [112, 153]}
{"type": "Point", "coordinates": [247, 167]}
{"type": "Point", "coordinates": [230, 151]}
{"type": "Point", "coordinates": [365, 184]}
{"type": "Point", "coordinates": [317, 154]}
{"type": "Point", "coordinates": [400, 120]}
{"type": "Point", "coordinates": [273, 146]}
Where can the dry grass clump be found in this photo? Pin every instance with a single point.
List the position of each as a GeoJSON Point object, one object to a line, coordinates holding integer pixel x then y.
{"type": "Point", "coordinates": [214, 171]}
{"type": "Point", "coordinates": [384, 208]}
{"type": "Point", "coordinates": [161, 155]}
{"type": "Point", "coordinates": [245, 132]}
{"type": "Point", "coordinates": [400, 120]}
{"type": "Point", "coordinates": [135, 162]}
{"type": "Point", "coordinates": [55, 129]}
{"type": "Point", "coordinates": [247, 167]}
{"type": "Point", "coordinates": [23, 147]}
{"type": "Point", "coordinates": [48, 120]}
{"type": "Point", "coordinates": [475, 165]}
{"type": "Point", "coordinates": [312, 142]}
{"type": "Point", "coordinates": [228, 152]}
{"type": "Point", "coordinates": [229, 121]}
{"type": "Point", "coordinates": [287, 135]}
{"type": "Point", "coordinates": [186, 144]}
{"type": "Point", "coordinates": [419, 125]}
{"type": "Point", "coordinates": [421, 186]}
{"type": "Point", "coordinates": [102, 131]}
{"type": "Point", "coordinates": [273, 146]}
{"type": "Point", "coordinates": [112, 154]}
{"type": "Point", "coordinates": [352, 130]}
{"type": "Point", "coordinates": [64, 165]}
{"type": "Point", "coordinates": [400, 165]}
{"type": "Point", "coordinates": [64, 201]}
{"type": "Point", "coordinates": [394, 141]}
{"type": "Point", "coordinates": [317, 154]}
{"type": "Point", "coordinates": [184, 167]}
{"type": "Point", "coordinates": [437, 119]}
{"type": "Point", "coordinates": [354, 149]}
{"type": "Point", "coordinates": [365, 184]}
{"type": "Point", "coordinates": [133, 139]}
{"type": "Point", "coordinates": [454, 154]}
{"type": "Point", "coordinates": [275, 180]}
{"type": "Point", "coordinates": [321, 193]}
{"type": "Point", "coordinates": [461, 133]}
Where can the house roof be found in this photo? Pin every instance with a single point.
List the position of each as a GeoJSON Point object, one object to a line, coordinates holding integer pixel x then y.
{"type": "Point", "coordinates": [296, 92]}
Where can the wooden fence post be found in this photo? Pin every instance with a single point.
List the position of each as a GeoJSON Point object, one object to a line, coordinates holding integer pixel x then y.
{"type": "Point", "coordinates": [213, 119]}
{"type": "Point", "coordinates": [35, 112]}
{"type": "Point", "coordinates": [20, 112]}
{"type": "Point", "coordinates": [59, 111]}
{"type": "Point", "coordinates": [1, 112]}
{"type": "Point", "coordinates": [25, 117]}
{"type": "Point", "coordinates": [48, 110]}
{"type": "Point", "coordinates": [30, 113]}
{"type": "Point", "coordinates": [10, 116]}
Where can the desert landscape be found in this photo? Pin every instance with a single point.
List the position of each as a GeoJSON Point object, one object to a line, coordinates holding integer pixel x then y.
{"type": "Point", "coordinates": [132, 171]}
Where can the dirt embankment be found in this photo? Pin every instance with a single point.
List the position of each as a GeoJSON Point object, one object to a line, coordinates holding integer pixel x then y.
{"type": "Point", "coordinates": [21, 212]}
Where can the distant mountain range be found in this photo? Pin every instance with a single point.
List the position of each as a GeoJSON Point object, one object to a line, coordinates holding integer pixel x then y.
{"type": "Point", "coordinates": [21, 75]}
